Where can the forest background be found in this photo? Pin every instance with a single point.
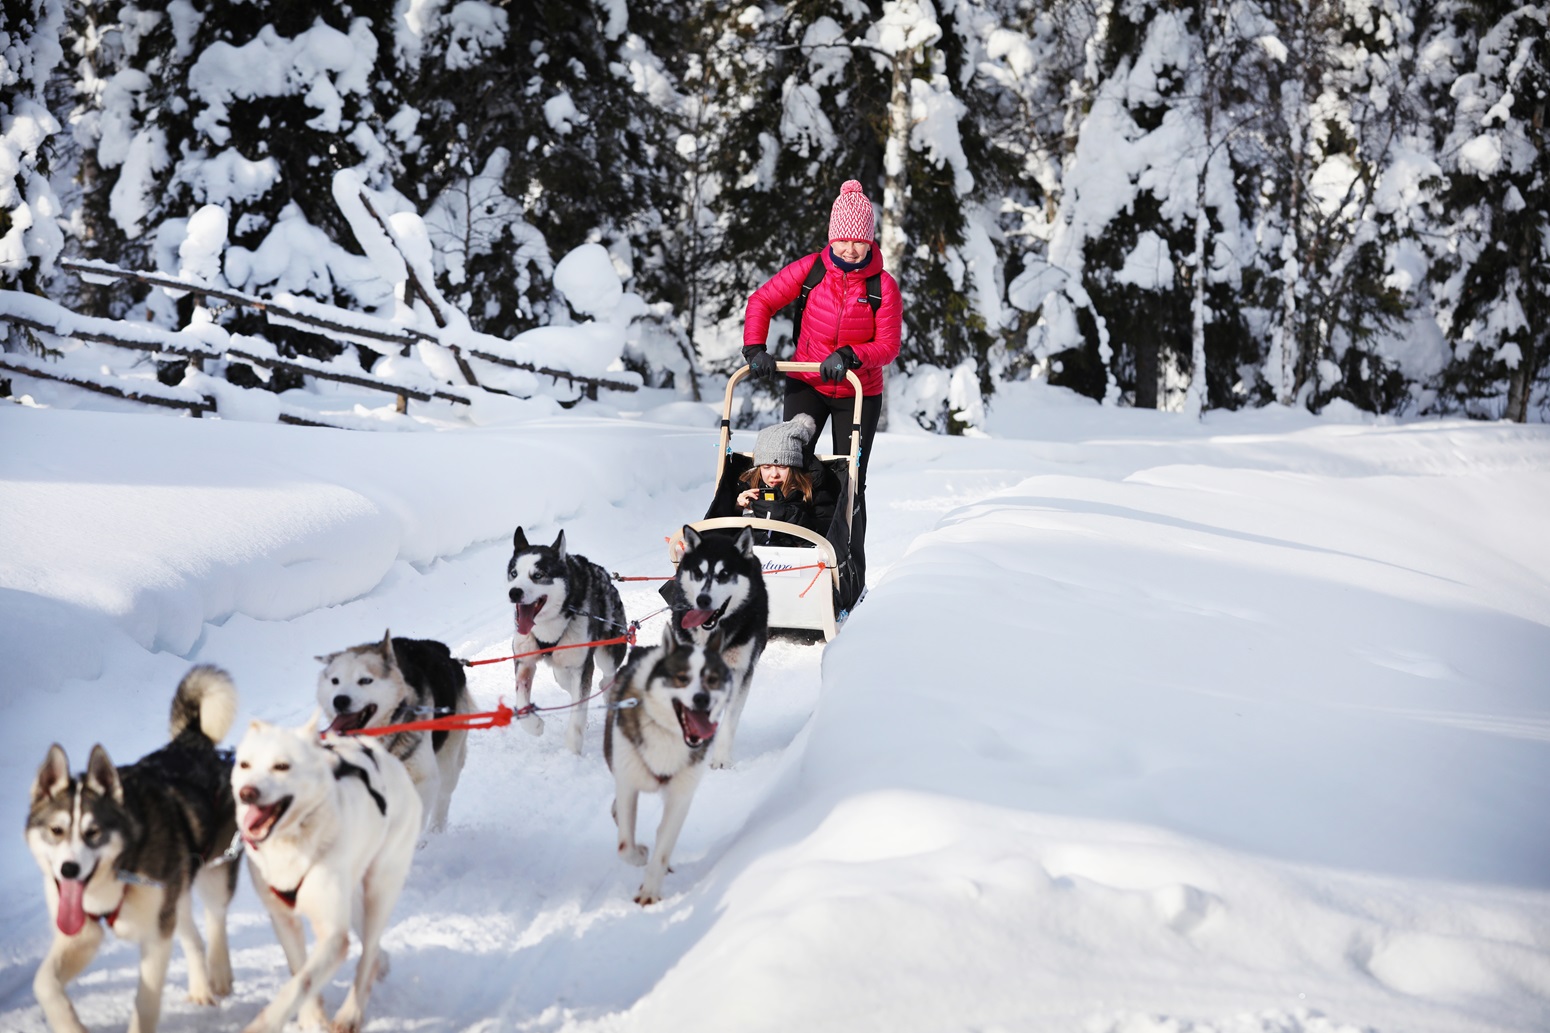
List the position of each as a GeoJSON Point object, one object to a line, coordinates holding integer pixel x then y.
{"type": "Point", "coordinates": [1177, 205]}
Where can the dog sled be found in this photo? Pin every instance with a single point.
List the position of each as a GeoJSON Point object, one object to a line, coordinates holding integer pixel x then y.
{"type": "Point", "coordinates": [814, 579]}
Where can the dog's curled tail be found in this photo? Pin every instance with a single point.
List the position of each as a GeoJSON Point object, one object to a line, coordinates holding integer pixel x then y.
{"type": "Point", "coordinates": [206, 699]}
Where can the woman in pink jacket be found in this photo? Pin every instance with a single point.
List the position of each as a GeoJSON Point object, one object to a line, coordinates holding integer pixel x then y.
{"type": "Point", "coordinates": [841, 328]}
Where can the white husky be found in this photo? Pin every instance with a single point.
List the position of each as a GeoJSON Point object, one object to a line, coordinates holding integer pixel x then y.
{"type": "Point", "coordinates": [326, 822]}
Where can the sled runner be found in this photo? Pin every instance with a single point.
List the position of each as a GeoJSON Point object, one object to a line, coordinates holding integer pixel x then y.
{"type": "Point", "coordinates": [813, 578]}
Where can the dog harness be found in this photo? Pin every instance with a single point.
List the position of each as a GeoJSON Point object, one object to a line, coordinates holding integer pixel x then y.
{"type": "Point", "coordinates": [288, 897]}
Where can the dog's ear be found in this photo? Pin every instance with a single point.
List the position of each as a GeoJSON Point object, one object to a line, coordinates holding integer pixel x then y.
{"type": "Point", "coordinates": [713, 643]}
{"type": "Point", "coordinates": [669, 640]}
{"type": "Point", "coordinates": [559, 544]}
{"type": "Point", "coordinates": [691, 538]}
{"type": "Point", "coordinates": [326, 658]}
{"type": "Point", "coordinates": [53, 776]}
{"type": "Point", "coordinates": [309, 731]}
{"type": "Point", "coordinates": [519, 540]}
{"type": "Point", "coordinates": [389, 655]}
{"type": "Point", "coordinates": [745, 542]}
{"type": "Point", "coordinates": [102, 776]}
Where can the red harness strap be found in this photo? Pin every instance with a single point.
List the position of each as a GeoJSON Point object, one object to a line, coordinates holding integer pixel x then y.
{"type": "Point", "coordinates": [111, 917]}
{"type": "Point", "coordinates": [287, 897]}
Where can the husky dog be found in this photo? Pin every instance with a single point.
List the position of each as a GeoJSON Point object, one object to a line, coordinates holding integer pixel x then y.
{"type": "Point", "coordinates": [662, 716]}
{"type": "Point", "coordinates": [329, 826]}
{"type": "Point", "coordinates": [562, 599]}
{"type": "Point", "coordinates": [125, 846]}
{"type": "Point", "coordinates": [719, 587]}
{"type": "Point", "coordinates": [396, 681]}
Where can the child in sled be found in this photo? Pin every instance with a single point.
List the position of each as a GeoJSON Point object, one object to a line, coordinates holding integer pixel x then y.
{"type": "Point", "coordinates": [779, 484]}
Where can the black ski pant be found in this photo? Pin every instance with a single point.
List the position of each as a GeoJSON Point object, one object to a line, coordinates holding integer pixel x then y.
{"type": "Point", "coordinates": [804, 397]}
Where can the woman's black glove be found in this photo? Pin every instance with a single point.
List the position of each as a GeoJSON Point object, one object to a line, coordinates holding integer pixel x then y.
{"type": "Point", "coordinates": [761, 363]}
{"type": "Point", "coordinates": [833, 368]}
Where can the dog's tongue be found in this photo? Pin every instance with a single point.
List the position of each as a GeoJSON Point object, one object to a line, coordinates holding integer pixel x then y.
{"type": "Point", "coordinates": [698, 724]}
{"type": "Point", "coordinates": [694, 618]}
{"type": "Point", "coordinates": [72, 906]}
{"type": "Point", "coordinates": [342, 723]}
{"type": "Point", "coordinates": [254, 817]}
{"type": "Point", "coordinates": [527, 613]}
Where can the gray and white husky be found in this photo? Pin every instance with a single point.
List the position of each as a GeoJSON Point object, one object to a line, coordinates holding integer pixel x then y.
{"type": "Point", "coordinates": [329, 826]}
{"type": "Point", "coordinates": [719, 589]}
{"type": "Point", "coordinates": [664, 709]}
{"type": "Point", "coordinates": [124, 848]}
{"type": "Point", "coordinates": [562, 599]}
{"type": "Point", "coordinates": [396, 681]}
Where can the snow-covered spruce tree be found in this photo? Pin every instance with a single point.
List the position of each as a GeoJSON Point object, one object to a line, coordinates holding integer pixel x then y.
{"type": "Point", "coordinates": [30, 236]}
{"type": "Point", "coordinates": [1492, 280]}
{"type": "Point", "coordinates": [1024, 66]}
{"type": "Point", "coordinates": [249, 109]}
{"type": "Point", "coordinates": [128, 122]}
{"type": "Point", "coordinates": [532, 139]}
{"type": "Point", "coordinates": [1150, 217]}
{"type": "Point", "coordinates": [944, 260]}
{"type": "Point", "coordinates": [1328, 222]}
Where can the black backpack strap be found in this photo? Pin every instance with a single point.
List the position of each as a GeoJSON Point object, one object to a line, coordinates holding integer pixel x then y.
{"type": "Point", "coordinates": [814, 278]}
{"type": "Point", "coordinates": [874, 291]}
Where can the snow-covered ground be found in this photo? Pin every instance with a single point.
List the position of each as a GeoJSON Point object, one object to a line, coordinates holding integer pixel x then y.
{"type": "Point", "coordinates": [1146, 725]}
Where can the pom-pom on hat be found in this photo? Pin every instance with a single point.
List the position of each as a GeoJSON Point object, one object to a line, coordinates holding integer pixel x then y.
{"type": "Point", "coordinates": [784, 444]}
{"type": "Point", "coordinates": [851, 217]}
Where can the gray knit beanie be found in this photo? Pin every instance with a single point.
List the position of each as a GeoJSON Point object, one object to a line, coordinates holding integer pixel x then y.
{"type": "Point", "coordinates": [784, 444]}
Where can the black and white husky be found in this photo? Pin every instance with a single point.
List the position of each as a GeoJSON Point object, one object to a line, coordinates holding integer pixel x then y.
{"type": "Point", "coordinates": [664, 710]}
{"type": "Point", "coordinates": [562, 599]}
{"type": "Point", "coordinates": [124, 848]}
{"type": "Point", "coordinates": [719, 588]}
{"type": "Point", "coordinates": [396, 681]}
{"type": "Point", "coordinates": [329, 826]}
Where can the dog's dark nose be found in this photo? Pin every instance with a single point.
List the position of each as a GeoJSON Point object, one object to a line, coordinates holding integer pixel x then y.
{"type": "Point", "coordinates": [702, 701]}
{"type": "Point", "coordinates": [341, 704]}
{"type": "Point", "coordinates": [248, 794]}
{"type": "Point", "coordinates": [702, 601]}
{"type": "Point", "coordinates": [515, 595]}
{"type": "Point", "coordinates": [70, 870]}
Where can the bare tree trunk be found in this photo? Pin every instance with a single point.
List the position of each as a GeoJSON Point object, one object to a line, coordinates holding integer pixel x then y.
{"type": "Point", "coordinates": [891, 240]}
{"type": "Point", "coordinates": [1520, 384]}
{"type": "Point", "coordinates": [1195, 396]}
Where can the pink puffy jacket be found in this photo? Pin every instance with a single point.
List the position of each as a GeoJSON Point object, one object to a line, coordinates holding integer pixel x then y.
{"type": "Point", "coordinates": [837, 314]}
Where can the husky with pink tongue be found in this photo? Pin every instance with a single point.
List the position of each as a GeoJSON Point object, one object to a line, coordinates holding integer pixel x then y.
{"type": "Point", "coordinates": [719, 589]}
{"type": "Point", "coordinates": [562, 600]}
{"type": "Point", "coordinates": [124, 849]}
{"type": "Point", "coordinates": [663, 714]}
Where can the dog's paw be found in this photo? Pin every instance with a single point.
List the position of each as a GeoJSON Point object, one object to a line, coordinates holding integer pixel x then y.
{"type": "Point", "coordinates": [720, 762]}
{"type": "Point", "coordinates": [220, 977]}
{"type": "Point", "coordinates": [532, 724]}
{"type": "Point", "coordinates": [646, 897]}
{"type": "Point", "coordinates": [573, 741]}
{"type": "Point", "coordinates": [634, 855]}
{"type": "Point", "coordinates": [348, 1020]}
{"type": "Point", "coordinates": [204, 994]}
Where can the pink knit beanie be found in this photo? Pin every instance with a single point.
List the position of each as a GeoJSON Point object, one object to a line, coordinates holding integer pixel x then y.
{"type": "Point", "coordinates": [851, 217]}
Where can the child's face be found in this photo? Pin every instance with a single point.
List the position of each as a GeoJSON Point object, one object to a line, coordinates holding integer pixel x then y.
{"type": "Point", "coordinates": [773, 475]}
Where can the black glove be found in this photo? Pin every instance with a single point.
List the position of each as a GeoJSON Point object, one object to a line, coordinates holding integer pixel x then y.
{"type": "Point", "coordinates": [833, 368]}
{"type": "Point", "coordinates": [761, 363]}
